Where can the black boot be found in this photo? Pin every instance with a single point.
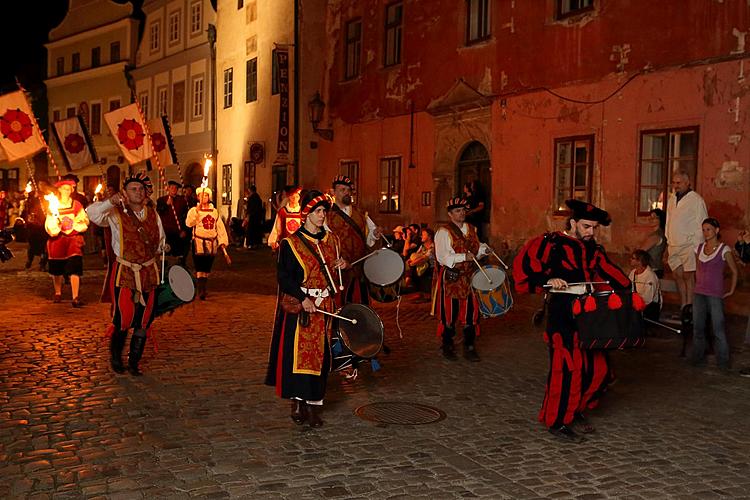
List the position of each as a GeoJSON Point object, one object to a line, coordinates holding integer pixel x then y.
{"type": "Point", "coordinates": [449, 351]}
{"type": "Point", "coordinates": [137, 344]}
{"type": "Point", "coordinates": [299, 411]}
{"type": "Point", "coordinates": [116, 344]}
{"type": "Point", "coordinates": [470, 351]}
{"type": "Point", "coordinates": [313, 416]}
{"type": "Point", "coordinates": [202, 288]}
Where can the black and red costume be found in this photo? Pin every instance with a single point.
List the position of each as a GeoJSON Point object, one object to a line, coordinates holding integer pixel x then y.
{"type": "Point", "coordinates": [577, 377]}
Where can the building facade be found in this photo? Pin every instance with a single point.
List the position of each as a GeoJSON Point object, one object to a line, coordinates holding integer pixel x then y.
{"type": "Point", "coordinates": [87, 60]}
{"type": "Point", "coordinates": [173, 78]}
{"type": "Point", "coordinates": [539, 102]}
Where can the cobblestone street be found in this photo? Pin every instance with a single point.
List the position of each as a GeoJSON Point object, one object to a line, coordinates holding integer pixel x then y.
{"type": "Point", "coordinates": [201, 423]}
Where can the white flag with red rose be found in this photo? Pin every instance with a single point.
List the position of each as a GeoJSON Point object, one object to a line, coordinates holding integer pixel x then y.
{"type": "Point", "coordinates": [74, 143]}
{"type": "Point", "coordinates": [129, 133]}
{"type": "Point", "coordinates": [161, 140]}
{"type": "Point", "coordinates": [19, 132]}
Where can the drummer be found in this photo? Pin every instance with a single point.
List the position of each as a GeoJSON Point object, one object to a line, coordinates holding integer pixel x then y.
{"type": "Point", "coordinates": [137, 239]}
{"type": "Point", "coordinates": [300, 357]}
{"type": "Point", "coordinates": [357, 233]}
{"type": "Point", "coordinates": [577, 378]}
{"type": "Point", "coordinates": [456, 249]}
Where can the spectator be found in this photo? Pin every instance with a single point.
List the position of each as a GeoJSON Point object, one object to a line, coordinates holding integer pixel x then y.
{"type": "Point", "coordinates": [686, 211]}
{"type": "Point", "coordinates": [712, 257]}
{"type": "Point", "coordinates": [656, 242]}
{"type": "Point", "coordinates": [254, 218]}
{"type": "Point", "coordinates": [397, 241]}
{"type": "Point", "coordinates": [476, 203]}
{"type": "Point", "coordinates": [646, 284]}
{"type": "Point", "coordinates": [422, 263]}
{"type": "Point", "coordinates": [4, 205]}
{"type": "Point", "coordinates": [743, 246]}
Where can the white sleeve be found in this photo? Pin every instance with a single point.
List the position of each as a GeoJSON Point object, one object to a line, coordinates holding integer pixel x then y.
{"type": "Point", "coordinates": [221, 231]}
{"type": "Point", "coordinates": [273, 237]}
{"type": "Point", "coordinates": [724, 251]}
{"type": "Point", "coordinates": [192, 217]}
{"type": "Point", "coordinates": [444, 252]}
{"type": "Point", "coordinates": [99, 212]}
{"type": "Point", "coordinates": [371, 227]}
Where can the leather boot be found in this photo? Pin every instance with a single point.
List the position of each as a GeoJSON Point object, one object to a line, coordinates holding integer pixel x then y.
{"type": "Point", "coordinates": [313, 416]}
{"type": "Point", "coordinates": [449, 352]}
{"type": "Point", "coordinates": [202, 288]}
{"type": "Point", "coordinates": [137, 344]}
{"type": "Point", "coordinates": [116, 344]}
{"type": "Point", "coordinates": [299, 411]}
{"type": "Point", "coordinates": [470, 353]}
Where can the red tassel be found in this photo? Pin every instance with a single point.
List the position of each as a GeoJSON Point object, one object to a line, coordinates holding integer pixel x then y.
{"type": "Point", "coordinates": [614, 302]}
{"type": "Point", "coordinates": [589, 304]}
{"type": "Point", "coordinates": [576, 307]}
{"type": "Point", "coordinates": [638, 303]}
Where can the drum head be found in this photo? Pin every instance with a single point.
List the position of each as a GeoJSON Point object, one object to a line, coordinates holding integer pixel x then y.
{"type": "Point", "coordinates": [384, 268]}
{"type": "Point", "coordinates": [479, 281]}
{"type": "Point", "coordinates": [181, 283]}
{"type": "Point", "coordinates": [366, 337]}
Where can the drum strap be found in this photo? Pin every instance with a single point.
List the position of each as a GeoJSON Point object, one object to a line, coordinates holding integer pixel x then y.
{"type": "Point", "coordinates": [317, 257]}
{"type": "Point", "coordinates": [136, 268]}
{"type": "Point", "coordinates": [351, 222]}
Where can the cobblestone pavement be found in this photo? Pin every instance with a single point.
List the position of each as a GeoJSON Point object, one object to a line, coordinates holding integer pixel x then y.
{"type": "Point", "coordinates": [200, 423]}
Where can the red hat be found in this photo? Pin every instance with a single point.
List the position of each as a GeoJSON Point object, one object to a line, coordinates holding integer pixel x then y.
{"type": "Point", "coordinates": [342, 179]}
{"type": "Point", "coordinates": [65, 182]}
{"type": "Point", "coordinates": [143, 179]}
{"type": "Point", "coordinates": [456, 202]}
{"type": "Point", "coordinates": [311, 201]}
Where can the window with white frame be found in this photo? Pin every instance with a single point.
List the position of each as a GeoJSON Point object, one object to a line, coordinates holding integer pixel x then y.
{"type": "Point", "coordinates": [228, 83]}
{"type": "Point", "coordinates": [143, 100]}
{"type": "Point", "coordinates": [477, 21]}
{"type": "Point", "coordinates": [162, 100]}
{"type": "Point", "coordinates": [70, 112]}
{"type": "Point", "coordinates": [390, 185]}
{"type": "Point", "coordinates": [574, 169]}
{"type": "Point", "coordinates": [251, 80]}
{"type": "Point", "coordinates": [197, 97]}
{"type": "Point", "coordinates": [96, 118]}
{"type": "Point", "coordinates": [154, 32]}
{"type": "Point", "coordinates": [567, 8]}
{"type": "Point", "coordinates": [196, 17]}
{"type": "Point", "coordinates": [174, 27]}
{"type": "Point", "coordinates": [353, 49]}
{"type": "Point", "coordinates": [114, 104]}
{"type": "Point", "coordinates": [393, 31]}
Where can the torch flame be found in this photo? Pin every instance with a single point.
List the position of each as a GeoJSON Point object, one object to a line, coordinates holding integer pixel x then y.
{"type": "Point", "coordinates": [28, 187]}
{"type": "Point", "coordinates": [54, 204]}
{"type": "Point", "coordinates": [207, 163]}
{"type": "Point", "coordinates": [98, 188]}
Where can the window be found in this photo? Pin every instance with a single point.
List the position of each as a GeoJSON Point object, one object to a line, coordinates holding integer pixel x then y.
{"type": "Point", "coordinates": [251, 12]}
{"type": "Point", "coordinates": [162, 101]}
{"type": "Point", "coordinates": [196, 17]}
{"type": "Point", "coordinates": [228, 83]}
{"type": "Point", "coordinates": [392, 52]}
{"type": "Point", "coordinates": [114, 52]}
{"type": "Point", "coordinates": [477, 20]}
{"type": "Point", "coordinates": [251, 80]}
{"type": "Point", "coordinates": [178, 102]}
{"type": "Point", "coordinates": [143, 100]}
{"type": "Point", "coordinates": [663, 152]}
{"type": "Point", "coordinates": [274, 73]}
{"type": "Point", "coordinates": [153, 36]}
{"type": "Point", "coordinates": [390, 185]}
{"type": "Point", "coordinates": [567, 8]}
{"type": "Point", "coordinates": [60, 66]}
{"type": "Point", "coordinates": [70, 112]}
{"type": "Point", "coordinates": [351, 170]}
{"type": "Point", "coordinates": [96, 57]}
{"type": "Point", "coordinates": [226, 178]}
{"type": "Point", "coordinates": [574, 166]}
{"type": "Point", "coordinates": [174, 27]}
{"type": "Point", "coordinates": [197, 97]}
{"type": "Point", "coordinates": [76, 64]}
{"type": "Point", "coordinates": [353, 49]}
{"type": "Point", "coordinates": [96, 118]}
{"type": "Point", "coordinates": [56, 115]}
{"type": "Point", "coordinates": [114, 104]}
{"type": "Point", "coordinates": [240, 4]}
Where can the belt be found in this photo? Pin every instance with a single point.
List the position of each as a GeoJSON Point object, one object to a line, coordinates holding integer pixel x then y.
{"type": "Point", "coordinates": [317, 293]}
{"type": "Point", "coordinates": [136, 268]}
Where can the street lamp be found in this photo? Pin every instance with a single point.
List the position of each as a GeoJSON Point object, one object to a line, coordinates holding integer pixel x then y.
{"type": "Point", "coordinates": [315, 110]}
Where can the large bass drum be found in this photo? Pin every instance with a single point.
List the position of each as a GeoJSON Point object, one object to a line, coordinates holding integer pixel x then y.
{"type": "Point", "coordinates": [384, 270]}
{"type": "Point", "coordinates": [353, 342]}
{"type": "Point", "coordinates": [177, 291]}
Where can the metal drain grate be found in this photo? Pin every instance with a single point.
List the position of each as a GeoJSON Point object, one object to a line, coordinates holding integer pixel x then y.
{"type": "Point", "coordinates": [400, 413]}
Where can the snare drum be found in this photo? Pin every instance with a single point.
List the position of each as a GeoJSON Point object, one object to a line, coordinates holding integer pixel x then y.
{"type": "Point", "coordinates": [177, 291]}
{"type": "Point", "coordinates": [610, 323]}
{"type": "Point", "coordinates": [495, 298]}
{"type": "Point", "coordinates": [384, 294]}
{"type": "Point", "coordinates": [351, 343]}
{"type": "Point", "coordinates": [384, 267]}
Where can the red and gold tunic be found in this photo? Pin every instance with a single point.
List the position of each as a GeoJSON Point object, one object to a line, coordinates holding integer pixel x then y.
{"type": "Point", "coordinates": [65, 231]}
{"type": "Point", "coordinates": [461, 243]}
{"type": "Point", "coordinates": [139, 245]}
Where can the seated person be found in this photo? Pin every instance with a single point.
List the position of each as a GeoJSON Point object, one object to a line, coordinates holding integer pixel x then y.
{"type": "Point", "coordinates": [646, 283]}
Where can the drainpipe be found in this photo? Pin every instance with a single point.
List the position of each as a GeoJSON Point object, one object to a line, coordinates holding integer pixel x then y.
{"type": "Point", "coordinates": [297, 52]}
{"type": "Point", "coordinates": [212, 48]}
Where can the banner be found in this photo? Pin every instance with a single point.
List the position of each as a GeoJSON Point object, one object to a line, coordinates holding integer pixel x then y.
{"type": "Point", "coordinates": [282, 148]}
{"type": "Point", "coordinates": [74, 142]}
{"type": "Point", "coordinates": [129, 132]}
{"type": "Point", "coordinates": [19, 133]}
{"type": "Point", "coordinates": [161, 139]}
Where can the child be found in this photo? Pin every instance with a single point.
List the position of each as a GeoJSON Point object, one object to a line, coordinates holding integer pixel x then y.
{"type": "Point", "coordinates": [712, 257]}
{"type": "Point", "coordinates": [646, 283]}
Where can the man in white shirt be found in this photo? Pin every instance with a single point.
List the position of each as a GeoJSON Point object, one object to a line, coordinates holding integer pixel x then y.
{"type": "Point", "coordinates": [456, 249]}
{"type": "Point", "coordinates": [686, 211]}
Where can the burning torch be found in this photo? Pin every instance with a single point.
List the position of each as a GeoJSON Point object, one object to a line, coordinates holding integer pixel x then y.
{"type": "Point", "coordinates": [54, 204]}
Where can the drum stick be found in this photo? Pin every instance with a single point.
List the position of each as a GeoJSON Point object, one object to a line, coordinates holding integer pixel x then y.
{"type": "Point", "coordinates": [387, 243]}
{"type": "Point", "coordinates": [489, 280]}
{"type": "Point", "coordinates": [363, 258]}
{"type": "Point", "coordinates": [341, 280]}
{"type": "Point", "coordinates": [325, 265]}
{"type": "Point", "coordinates": [162, 264]}
{"type": "Point", "coordinates": [663, 325]}
{"type": "Point", "coordinates": [582, 283]}
{"type": "Point", "coordinates": [350, 320]}
{"type": "Point", "coordinates": [498, 258]}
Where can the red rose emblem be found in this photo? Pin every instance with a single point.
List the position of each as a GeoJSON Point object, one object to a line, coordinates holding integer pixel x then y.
{"type": "Point", "coordinates": [158, 141]}
{"type": "Point", "coordinates": [292, 225]}
{"type": "Point", "coordinates": [74, 143]}
{"type": "Point", "coordinates": [208, 222]}
{"type": "Point", "coordinates": [15, 125]}
{"type": "Point", "coordinates": [130, 134]}
{"type": "Point", "coordinates": [66, 224]}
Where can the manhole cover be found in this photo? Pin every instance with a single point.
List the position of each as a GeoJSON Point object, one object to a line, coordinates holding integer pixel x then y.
{"type": "Point", "coordinates": [399, 413]}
